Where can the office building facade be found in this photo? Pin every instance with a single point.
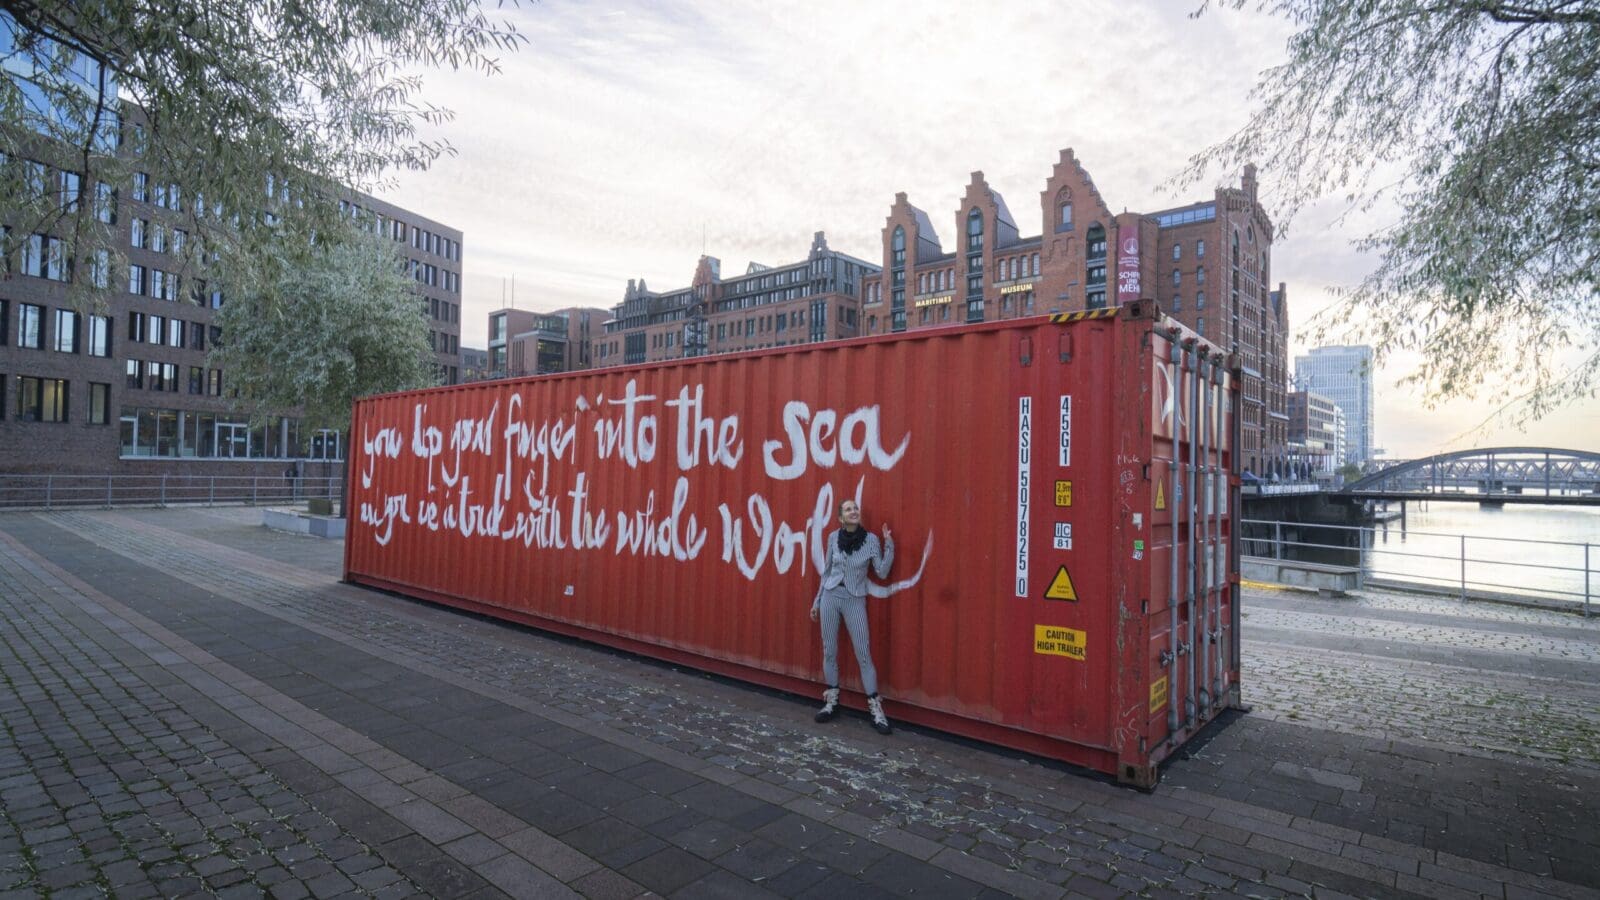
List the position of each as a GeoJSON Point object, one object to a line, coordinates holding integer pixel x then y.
{"type": "Point", "coordinates": [1343, 374]}
{"type": "Point", "coordinates": [524, 342]}
{"type": "Point", "coordinates": [1316, 431]}
{"type": "Point", "coordinates": [126, 387]}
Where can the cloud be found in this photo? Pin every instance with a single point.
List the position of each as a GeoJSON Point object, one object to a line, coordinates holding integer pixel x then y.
{"type": "Point", "coordinates": [629, 137]}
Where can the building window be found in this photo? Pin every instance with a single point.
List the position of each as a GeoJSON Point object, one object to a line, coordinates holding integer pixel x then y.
{"type": "Point", "coordinates": [1200, 249]}
{"type": "Point", "coordinates": [1200, 275]}
{"type": "Point", "coordinates": [41, 399]}
{"type": "Point", "coordinates": [974, 231]}
{"type": "Point", "coordinates": [105, 203]}
{"type": "Point", "coordinates": [30, 326]}
{"type": "Point", "coordinates": [197, 380]}
{"type": "Point", "coordinates": [135, 377]}
{"type": "Point", "coordinates": [899, 246]}
{"type": "Point", "coordinates": [1036, 265]}
{"type": "Point", "coordinates": [1095, 242]}
{"type": "Point", "coordinates": [1177, 303]}
{"type": "Point", "coordinates": [1177, 252]}
{"type": "Point", "coordinates": [46, 257]}
{"type": "Point", "coordinates": [141, 187]}
{"type": "Point", "coordinates": [57, 266]}
{"type": "Point", "coordinates": [100, 269]}
{"type": "Point", "coordinates": [99, 403]}
{"type": "Point", "coordinates": [174, 332]}
{"type": "Point", "coordinates": [1200, 300]}
{"type": "Point", "coordinates": [197, 337]}
{"type": "Point", "coordinates": [33, 255]}
{"type": "Point", "coordinates": [135, 279]}
{"type": "Point", "coordinates": [1064, 210]}
{"type": "Point", "coordinates": [1177, 278]}
{"type": "Point", "coordinates": [99, 335]}
{"type": "Point", "coordinates": [136, 232]}
{"type": "Point", "coordinates": [66, 335]}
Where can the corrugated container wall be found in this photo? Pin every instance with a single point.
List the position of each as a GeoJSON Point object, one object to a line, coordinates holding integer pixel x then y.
{"type": "Point", "coordinates": [1040, 598]}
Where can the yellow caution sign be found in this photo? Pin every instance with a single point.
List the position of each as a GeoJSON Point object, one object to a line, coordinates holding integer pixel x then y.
{"type": "Point", "coordinates": [1158, 693]}
{"type": "Point", "coordinates": [1061, 587]}
{"type": "Point", "coordinates": [1063, 493]}
{"type": "Point", "coordinates": [1161, 496]}
{"type": "Point", "coordinates": [1057, 641]}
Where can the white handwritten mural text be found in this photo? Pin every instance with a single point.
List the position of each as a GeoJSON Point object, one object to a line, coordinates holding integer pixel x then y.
{"type": "Point", "coordinates": [535, 488]}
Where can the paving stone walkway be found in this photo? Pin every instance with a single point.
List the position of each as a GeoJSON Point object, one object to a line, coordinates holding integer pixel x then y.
{"type": "Point", "coordinates": [195, 705]}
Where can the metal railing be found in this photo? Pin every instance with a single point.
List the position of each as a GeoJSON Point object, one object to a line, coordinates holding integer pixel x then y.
{"type": "Point", "coordinates": [104, 491]}
{"type": "Point", "coordinates": [1460, 565]}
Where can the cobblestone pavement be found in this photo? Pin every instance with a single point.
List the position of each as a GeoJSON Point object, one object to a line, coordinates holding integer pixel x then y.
{"type": "Point", "coordinates": [193, 704]}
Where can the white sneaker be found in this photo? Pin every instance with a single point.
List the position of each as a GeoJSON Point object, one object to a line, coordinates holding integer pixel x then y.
{"type": "Point", "coordinates": [879, 720]}
{"type": "Point", "coordinates": [830, 705]}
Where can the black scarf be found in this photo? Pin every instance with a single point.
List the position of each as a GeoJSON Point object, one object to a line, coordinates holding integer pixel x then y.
{"type": "Point", "coordinates": [851, 541]}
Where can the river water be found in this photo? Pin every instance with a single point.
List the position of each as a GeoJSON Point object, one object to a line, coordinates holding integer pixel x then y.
{"type": "Point", "coordinates": [1514, 549]}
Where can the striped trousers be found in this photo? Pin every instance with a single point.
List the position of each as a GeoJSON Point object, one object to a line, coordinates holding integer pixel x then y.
{"type": "Point", "coordinates": [837, 603]}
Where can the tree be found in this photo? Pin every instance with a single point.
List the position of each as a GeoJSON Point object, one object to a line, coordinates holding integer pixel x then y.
{"type": "Point", "coordinates": [319, 334]}
{"type": "Point", "coordinates": [1350, 472]}
{"type": "Point", "coordinates": [249, 121]}
{"type": "Point", "coordinates": [1491, 268]}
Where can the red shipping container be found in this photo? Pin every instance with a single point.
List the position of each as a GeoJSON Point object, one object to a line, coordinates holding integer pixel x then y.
{"type": "Point", "coordinates": [1061, 492]}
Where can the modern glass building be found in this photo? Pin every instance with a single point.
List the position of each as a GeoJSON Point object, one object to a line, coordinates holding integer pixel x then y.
{"type": "Point", "coordinates": [1343, 375]}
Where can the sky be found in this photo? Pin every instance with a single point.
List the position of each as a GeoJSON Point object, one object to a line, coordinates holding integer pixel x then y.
{"type": "Point", "coordinates": [624, 140]}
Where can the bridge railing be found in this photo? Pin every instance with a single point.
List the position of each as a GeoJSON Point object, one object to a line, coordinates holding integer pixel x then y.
{"type": "Point", "coordinates": [104, 491]}
{"type": "Point", "coordinates": [1561, 573]}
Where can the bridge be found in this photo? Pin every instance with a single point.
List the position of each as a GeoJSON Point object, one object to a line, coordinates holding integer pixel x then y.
{"type": "Point", "coordinates": [1491, 475]}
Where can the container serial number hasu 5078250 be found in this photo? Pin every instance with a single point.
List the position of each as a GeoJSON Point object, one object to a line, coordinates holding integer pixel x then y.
{"type": "Point", "coordinates": [1060, 492]}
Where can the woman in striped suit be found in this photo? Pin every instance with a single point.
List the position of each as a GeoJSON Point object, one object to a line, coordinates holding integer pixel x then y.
{"type": "Point", "coordinates": [843, 594]}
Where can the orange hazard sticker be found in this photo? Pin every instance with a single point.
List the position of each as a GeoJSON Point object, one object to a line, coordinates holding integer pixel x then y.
{"type": "Point", "coordinates": [1054, 640]}
{"type": "Point", "coordinates": [1158, 693]}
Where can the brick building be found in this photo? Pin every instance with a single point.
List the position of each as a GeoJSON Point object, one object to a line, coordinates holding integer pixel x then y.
{"type": "Point", "coordinates": [523, 342]}
{"type": "Point", "coordinates": [815, 299]}
{"type": "Point", "coordinates": [1215, 261]}
{"type": "Point", "coordinates": [126, 388]}
{"type": "Point", "coordinates": [996, 272]}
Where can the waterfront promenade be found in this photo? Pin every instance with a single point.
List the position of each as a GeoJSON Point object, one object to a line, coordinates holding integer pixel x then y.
{"type": "Point", "coordinates": [192, 704]}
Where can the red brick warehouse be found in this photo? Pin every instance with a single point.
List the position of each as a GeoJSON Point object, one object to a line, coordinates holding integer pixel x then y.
{"type": "Point", "coordinates": [1207, 263]}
